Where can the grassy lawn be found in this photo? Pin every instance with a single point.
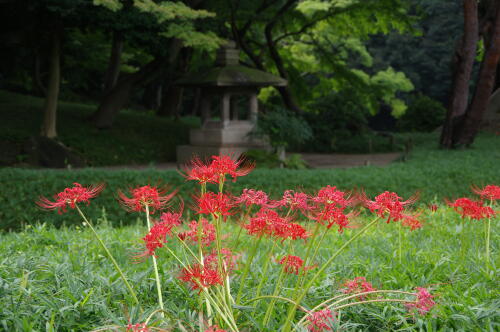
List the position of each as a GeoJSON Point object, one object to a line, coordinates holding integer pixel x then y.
{"type": "Point", "coordinates": [59, 280]}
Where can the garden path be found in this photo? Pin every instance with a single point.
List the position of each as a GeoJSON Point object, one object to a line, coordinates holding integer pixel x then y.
{"type": "Point", "coordinates": [315, 160]}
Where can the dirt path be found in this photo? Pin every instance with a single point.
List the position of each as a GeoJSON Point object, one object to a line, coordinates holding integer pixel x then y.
{"type": "Point", "coordinates": [315, 160]}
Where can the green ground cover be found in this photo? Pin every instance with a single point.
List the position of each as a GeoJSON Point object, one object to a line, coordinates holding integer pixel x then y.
{"type": "Point", "coordinates": [435, 173]}
{"type": "Point", "coordinates": [59, 279]}
{"type": "Point", "coordinates": [136, 138]}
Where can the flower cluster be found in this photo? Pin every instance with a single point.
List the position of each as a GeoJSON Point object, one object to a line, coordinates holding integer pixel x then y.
{"type": "Point", "coordinates": [423, 303]}
{"type": "Point", "coordinates": [228, 260]}
{"type": "Point", "coordinates": [269, 222]}
{"type": "Point", "coordinates": [217, 169]}
{"type": "Point", "coordinates": [490, 192]}
{"type": "Point", "coordinates": [200, 230]}
{"type": "Point", "coordinates": [358, 285]}
{"type": "Point", "coordinates": [255, 197]}
{"type": "Point", "coordinates": [146, 197]}
{"type": "Point", "coordinates": [295, 200]}
{"type": "Point", "coordinates": [472, 209]}
{"type": "Point", "coordinates": [71, 196]}
{"type": "Point", "coordinates": [199, 276]}
{"type": "Point", "coordinates": [329, 207]}
{"type": "Point", "coordinates": [214, 204]}
{"type": "Point", "coordinates": [293, 264]}
{"type": "Point", "coordinates": [320, 320]}
{"type": "Point", "coordinates": [390, 204]}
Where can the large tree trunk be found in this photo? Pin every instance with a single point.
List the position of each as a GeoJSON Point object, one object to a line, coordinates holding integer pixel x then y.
{"type": "Point", "coordinates": [50, 108]}
{"type": "Point", "coordinates": [119, 96]}
{"type": "Point", "coordinates": [286, 93]}
{"type": "Point", "coordinates": [113, 70]}
{"type": "Point", "coordinates": [463, 61]}
{"type": "Point", "coordinates": [484, 86]}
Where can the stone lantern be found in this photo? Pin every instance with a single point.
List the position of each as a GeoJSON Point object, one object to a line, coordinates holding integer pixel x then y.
{"type": "Point", "coordinates": [224, 85]}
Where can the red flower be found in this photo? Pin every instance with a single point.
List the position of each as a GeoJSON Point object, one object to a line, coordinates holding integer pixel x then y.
{"type": "Point", "coordinates": [292, 264]}
{"type": "Point", "coordinates": [200, 172]}
{"type": "Point", "coordinates": [139, 327]}
{"type": "Point", "coordinates": [254, 197]}
{"type": "Point", "coordinates": [214, 204]}
{"type": "Point", "coordinates": [423, 303]}
{"type": "Point", "coordinates": [295, 200]}
{"type": "Point", "coordinates": [214, 328]}
{"type": "Point", "coordinates": [320, 320]}
{"type": "Point", "coordinates": [490, 192]}
{"type": "Point", "coordinates": [270, 223]}
{"type": "Point", "coordinates": [228, 259]}
{"type": "Point", "coordinates": [224, 165]}
{"type": "Point", "coordinates": [388, 203]}
{"type": "Point", "coordinates": [332, 215]}
{"type": "Point", "coordinates": [331, 196]}
{"type": "Point", "coordinates": [200, 277]}
{"type": "Point", "coordinates": [411, 221]}
{"type": "Point", "coordinates": [144, 196]}
{"type": "Point", "coordinates": [156, 237]}
{"type": "Point", "coordinates": [171, 219]}
{"type": "Point", "coordinates": [70, 196]}
{"type": "Point", "coordinates": [207, 232]}
{"type": "Point", "coordinates": [472, 209]}
{"type": "Point", "coordinates": [358, 285]}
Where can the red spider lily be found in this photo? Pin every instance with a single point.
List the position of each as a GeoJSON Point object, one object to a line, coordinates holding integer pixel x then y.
{"type": "Point", "coordinates": [207, 232]}
{"type": "Point", "coordinates": [70, 196]}
{"type": "Point", "coordinates": [358, 285]}
{"type": "Point", "coordinates": [172, 219]}
{"type": "Point", "coordinates": [320, 320]}
{"type": "Point", "coordinates": [490, 192]}
{"type": "Point", "coordinates": [228, 258]}
{"type": "Point", "coordinates": [149, 196]}
{"type": "Point", "coordinates": [424, 301]}
{"type": "Point", "coordinates": [199, 277]}
{"type": "Point", "coordinates": [156, 237]}
{"type": "Point", "coordinates": [224, 165]}
{"type": "Point", "coordinates": [214, 328]}
{"type": "Point", "coordinates": [139, 327]}
{"type": "Point", "coordinates": [295, 200]}
{"type": "Point", "coordinates": [472, 209]}
{"type": "Point", "coordinates": [255, 197]}
{"type": "Point", "coordinates": [293, 264]}
{"type": "Point", "coordinates": [215, 204]}
{"type": "Point", "coordinates": [331, 196]}
{"type": "Point", "coordinates": [200, 172]}
{"type": "Point", "coordinates": [332, 215]}
{"type": "Point", "coordinates": [270, 223]}
{"type": "Point", "coordinates": [388, 203]}
{"type": "Point", "coordinates": [411, 221]}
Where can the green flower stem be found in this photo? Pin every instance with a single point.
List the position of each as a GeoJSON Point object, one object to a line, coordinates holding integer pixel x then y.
{"type": "Point", "coordinates": [155, 266]}
{"type": "Point", "coordinates": [263, 277]}
{"type": "Point", "coordinates": [293, 309]}
{"type": "Point", "coordinates": [108, 253]}
{"type": "Point", "coordinates": [400, 229]}
{"type": "Point", "coordinates": [270, 309]}
{"type": "Point", "coordinates": [306, 258]}
{"type": "Point", "coordinates": [488, 230]}
{"type": "Point", "coordinates": [248, 263]}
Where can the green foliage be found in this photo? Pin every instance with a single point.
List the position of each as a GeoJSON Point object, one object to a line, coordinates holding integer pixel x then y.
{"type": "Point", "coordinates": [435, 173]}
{"type": "Point", "coordinates": [136, 139]}
{"type": "Point", "coordinates": [283, 128]}
{"type": "Point", "coordinates": [267, 159]}
{"type": "Point", "coordinates": [424, 114]}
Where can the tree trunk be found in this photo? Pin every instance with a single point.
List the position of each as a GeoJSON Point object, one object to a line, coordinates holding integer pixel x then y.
{"type": "Point", "coordinates": [118, 97]}
{"type": "Point", "coordinates": [172, 99]}
{"type": "Point", "coordinates": [113, 70]}
{"type": "Point", "coordinates": [50, 108]}
{"type": "Point", "coordinates": [39, 88]}
{"type": "Point", "coordinates": [286, 93]}
{"type": "Point", "coordinates": [484, 86]}
{"type": "Point", "coordinates": [463, 62]}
